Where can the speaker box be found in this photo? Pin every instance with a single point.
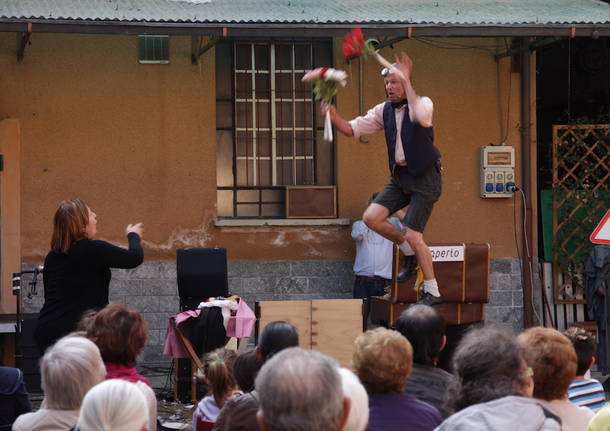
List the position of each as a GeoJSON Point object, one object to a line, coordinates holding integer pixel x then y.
{"type": "Point", "coordinates": [201, 273]}
{"type": "Point", "coordinates": [29, 356]}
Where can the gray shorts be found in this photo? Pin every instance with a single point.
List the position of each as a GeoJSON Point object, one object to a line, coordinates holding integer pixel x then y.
{"type": "Point", "coordinates": [419, 193]}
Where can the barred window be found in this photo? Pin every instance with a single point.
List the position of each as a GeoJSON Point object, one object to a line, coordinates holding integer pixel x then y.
{"type": "Point", "coordinates": [269, 130]}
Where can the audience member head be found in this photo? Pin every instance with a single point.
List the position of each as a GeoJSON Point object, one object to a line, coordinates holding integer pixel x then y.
{"type": "Point", "coordinates": [358, 417]}
{"type": "Point", "coordinates": [68, 369]}
{"type": "Point", "coordinates": [553, 360]}
{"type": "Point", "coordinates": [119, 332]}
{"type": "Point", "coordinates": [424, 327]}
{"type": "Point", "coordinates": [69, 224]}
{"type": "Point", "coordinates": [300, 390]}
{"type": "Point", "coordinates": [113, 405]}
{"type": "Point", "coordinates": [276, 337]}
{"type": "Point", "coordinates": [218, 369]}
{"type": "Point", "coordinates": [585, 348]}
{"type": "Point", "coordinates": [488, 364]}
{"type": "Point", "coordinates": [382, 360]}
{"type": "Point", "coordinates": [245, 370]}
{"type": "Point", "coordinates": [83, 326]}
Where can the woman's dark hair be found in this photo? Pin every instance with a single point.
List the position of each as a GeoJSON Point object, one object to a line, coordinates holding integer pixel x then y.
{"type": "Point", "coordinates": [218, 369]}
{"type": "Point", "coordinates": [487, 363]}
{"type": "Point", "coordinates": [120, 333]}
{"type": "Point", "coordinates": [245, 370]}
{"type": "Point", "coordinates": [276, 337]}
{"type": "Point", "coordinates": [69, 223]}
{"type": "Point", "coordinates": [585, 347]}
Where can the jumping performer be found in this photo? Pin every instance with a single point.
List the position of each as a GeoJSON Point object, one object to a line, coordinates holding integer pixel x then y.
{"type": "Point", "coordinates": [415, 169]}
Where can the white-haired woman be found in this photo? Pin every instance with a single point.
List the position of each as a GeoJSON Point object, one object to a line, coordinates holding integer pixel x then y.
{"type": "Point", "coordinates": [69, 368]}
{"type": "Point", "coordinates": [358, 417]}
{"type": "Point", "coordinates": [113, 405]}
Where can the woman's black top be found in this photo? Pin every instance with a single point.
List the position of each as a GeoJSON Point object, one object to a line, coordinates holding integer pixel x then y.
{"type": "Point", "coordinates": [78, 281]}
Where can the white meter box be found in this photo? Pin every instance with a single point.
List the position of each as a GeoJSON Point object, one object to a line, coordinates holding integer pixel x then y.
{"type": "Point", "coordinates": [497, 171]}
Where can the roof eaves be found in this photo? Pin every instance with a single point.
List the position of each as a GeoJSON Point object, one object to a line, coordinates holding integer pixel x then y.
{"type": "Point", "coordinates": [304, 28]}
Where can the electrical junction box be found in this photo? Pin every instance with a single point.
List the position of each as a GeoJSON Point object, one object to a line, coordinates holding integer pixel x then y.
{"type": "Point", "coordinates": [497, 171]}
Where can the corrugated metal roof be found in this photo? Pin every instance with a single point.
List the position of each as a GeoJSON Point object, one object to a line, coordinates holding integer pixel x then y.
{"type": "Point", "coordinates": [439, 12]}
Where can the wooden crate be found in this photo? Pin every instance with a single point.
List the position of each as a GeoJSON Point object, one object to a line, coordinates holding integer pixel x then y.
{"type": "Point", "coordinates": [327, 325]}
{"type": "Point", "coordinates": [385, 312]}
{"type": "Point", "coordinates": [464, 280]}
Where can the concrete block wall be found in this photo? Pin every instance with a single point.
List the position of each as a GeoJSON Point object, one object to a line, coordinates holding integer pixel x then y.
{"type": "Point", "coordinates": [152, 289]}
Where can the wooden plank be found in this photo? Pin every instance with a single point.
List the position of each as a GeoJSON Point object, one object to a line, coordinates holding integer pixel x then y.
{"type": "Point", "coordinates": [10, 212]}
{"type": "Point", "coordinates": [296, 312]}
{"type": "Point", "coordinates": [335, 325]}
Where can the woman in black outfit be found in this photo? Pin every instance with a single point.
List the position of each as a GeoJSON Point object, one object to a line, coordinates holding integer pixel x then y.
{"type": "Point", "coordinates": [77, 270]}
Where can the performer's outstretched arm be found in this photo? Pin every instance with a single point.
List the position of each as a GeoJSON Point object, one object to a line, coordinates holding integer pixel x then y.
{"type": "Point", "coordinates": [420, 108]}
{"type": "Point", "coordinates": [342, 125]}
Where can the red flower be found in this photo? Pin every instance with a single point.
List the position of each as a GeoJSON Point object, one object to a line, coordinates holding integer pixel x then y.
{"type": "Point", "coordinates": [350, 52]}
{"type": "Point", "coordinates": [353, 44]}
{"type": "Point", "coordinates": [358, 37]}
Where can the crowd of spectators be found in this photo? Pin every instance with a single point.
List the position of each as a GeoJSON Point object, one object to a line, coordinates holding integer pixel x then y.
{"type": "Point", "coordinates": [535, 380]}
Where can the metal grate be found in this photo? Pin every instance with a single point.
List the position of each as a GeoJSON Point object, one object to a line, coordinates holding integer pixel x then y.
{"type": "Point", "coordinates": [274, 133]}
{"type": "Point", "coordinates": [581, 177]}
{"type": "Point", "coordinates": [269, 133]}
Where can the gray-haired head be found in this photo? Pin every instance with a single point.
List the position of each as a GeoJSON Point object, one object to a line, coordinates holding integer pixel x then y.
{"type": "Point", "coordinates": [300, 390]}
{"type": "Point", "coordinates": [358, 417]}
{"type": "Point", "coordinates": [115, 405]}
{"type": "Point", "coordinates": [68, 369]}
{"type": "Point", "coordinates": [489, 364]}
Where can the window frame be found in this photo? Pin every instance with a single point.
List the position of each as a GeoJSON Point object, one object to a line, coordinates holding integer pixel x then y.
{"type": "Point", "coordinates": [315, 129]}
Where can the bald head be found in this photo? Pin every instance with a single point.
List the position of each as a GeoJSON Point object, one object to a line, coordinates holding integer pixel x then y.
{"type": "Point", "coordinates": [424, 327]}
{"type": "Point", "coordinates": [300, 390]}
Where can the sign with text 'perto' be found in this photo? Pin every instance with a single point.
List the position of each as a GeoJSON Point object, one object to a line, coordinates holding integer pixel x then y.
{"type": "Point", "coordinates": [447, 253]}
{"type": "Point", "coordinates": [601, 234]}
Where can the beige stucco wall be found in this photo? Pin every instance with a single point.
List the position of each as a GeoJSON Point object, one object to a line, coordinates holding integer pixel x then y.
{"type": "Point", "coordinates": [138, 143]}
{"type": "Point", "coordinates": [470, 94]}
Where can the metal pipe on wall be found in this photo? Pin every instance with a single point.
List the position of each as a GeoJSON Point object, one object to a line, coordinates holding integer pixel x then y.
{"type": "Point", "coordinates": [526, 184]}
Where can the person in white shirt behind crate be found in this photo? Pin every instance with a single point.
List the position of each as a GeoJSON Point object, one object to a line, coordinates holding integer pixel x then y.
{"type": "Point", "coordinates": [373, 263]}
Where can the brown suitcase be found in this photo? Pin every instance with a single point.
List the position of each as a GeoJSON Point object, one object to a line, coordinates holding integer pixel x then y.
{"type": "Point", "coordinates": [464, 280]}
{"type": "Point", "coordinates": [385, 312]}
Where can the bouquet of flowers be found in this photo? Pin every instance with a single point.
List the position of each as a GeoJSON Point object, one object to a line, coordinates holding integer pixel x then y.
{"type": "Point", "coordinates": [325, 83]}
{"type": "Point", "coordinates": [355, 46]}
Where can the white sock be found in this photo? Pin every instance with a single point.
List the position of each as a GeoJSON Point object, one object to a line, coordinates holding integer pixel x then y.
{"type": "Point", "coordinates": [431, 287]}
{"type": "Point", "coordinates": [406, 249]}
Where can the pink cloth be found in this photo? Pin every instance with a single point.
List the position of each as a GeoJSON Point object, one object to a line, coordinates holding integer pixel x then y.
{"type": "Point", "coordinates": [239, 326]}
{"type": "Point", "coordinates": [123, 372]}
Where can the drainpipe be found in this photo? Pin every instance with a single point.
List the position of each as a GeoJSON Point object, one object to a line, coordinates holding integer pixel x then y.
{"type": "Point", "coordinates": [526, 185]}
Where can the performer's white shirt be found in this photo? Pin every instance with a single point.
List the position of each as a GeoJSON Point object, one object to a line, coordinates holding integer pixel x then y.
{"type": "Point", "coordinates": [373, 252]}
{"type": "Point", "coordinates": [373, 122]}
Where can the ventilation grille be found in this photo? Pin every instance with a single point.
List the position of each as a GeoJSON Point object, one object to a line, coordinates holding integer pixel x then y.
{"type": "Point", "coordinates": [153, 49]}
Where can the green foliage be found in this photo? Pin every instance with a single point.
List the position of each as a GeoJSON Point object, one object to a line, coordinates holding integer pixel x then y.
{"type": "Point", "coordinates": [324, 90]}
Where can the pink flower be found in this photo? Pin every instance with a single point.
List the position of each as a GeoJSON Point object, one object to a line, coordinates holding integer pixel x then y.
{"type": "Point", "coordinates": [315, 74]}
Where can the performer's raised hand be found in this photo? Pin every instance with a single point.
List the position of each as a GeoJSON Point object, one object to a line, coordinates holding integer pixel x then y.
{"type": "Point", "coordinates": [405, 65]}
{"type": "Point", "coordinates": [137, 228]}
